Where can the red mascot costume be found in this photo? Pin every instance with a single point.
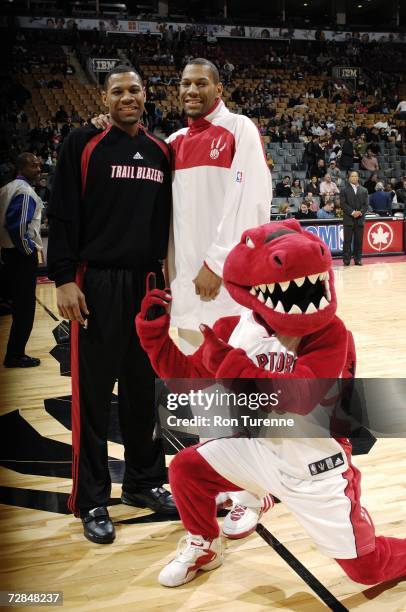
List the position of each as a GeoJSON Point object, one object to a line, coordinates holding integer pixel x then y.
{"type": "Point", "coordinates": [283, 276]}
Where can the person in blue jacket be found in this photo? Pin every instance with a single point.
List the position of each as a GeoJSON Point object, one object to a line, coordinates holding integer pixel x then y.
{"type": "Point", "coordinates": [20, 241]}
{"type": "Point", "coordinates": [381, 201]}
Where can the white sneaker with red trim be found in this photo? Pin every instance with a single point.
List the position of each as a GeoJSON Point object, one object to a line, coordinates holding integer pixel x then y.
{"type": "Point", "coordinates": [223, 501]}
{"type": "Point", "coordinates": [241, 521]}
{"type": "Point", "coordinates": [194, 553]}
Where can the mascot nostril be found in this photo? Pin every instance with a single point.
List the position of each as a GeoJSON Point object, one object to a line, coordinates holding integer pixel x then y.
{"type": "Point", "coordinates": [322, 250]}
{"type": "Point", "coordinates": [278, 260]}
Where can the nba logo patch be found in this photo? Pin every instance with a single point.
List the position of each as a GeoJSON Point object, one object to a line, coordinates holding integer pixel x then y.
{"type": "Point", "coordinates": [239, 177]}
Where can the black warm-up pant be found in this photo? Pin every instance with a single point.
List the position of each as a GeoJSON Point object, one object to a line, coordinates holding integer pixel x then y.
{"type": "Point", "coordinates": [21, 278]}
{"type": "Point", "coordinates": [107, 350]}
{"type": "Point", "coordinates": [355, 231]}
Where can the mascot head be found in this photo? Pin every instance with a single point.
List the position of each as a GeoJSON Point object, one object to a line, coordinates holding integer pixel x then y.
{"type": "Point", "coordinates": [283, 274]}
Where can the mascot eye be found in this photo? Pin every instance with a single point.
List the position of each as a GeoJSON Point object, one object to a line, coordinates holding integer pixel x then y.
{"type": "Point", "coordinates": [249, 243]}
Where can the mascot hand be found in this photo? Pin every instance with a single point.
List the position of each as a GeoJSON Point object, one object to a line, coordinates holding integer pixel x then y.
{"type": "Point", "coordinates": [156, 301]}
{"type": "Point", "coordinates": [214, 349]}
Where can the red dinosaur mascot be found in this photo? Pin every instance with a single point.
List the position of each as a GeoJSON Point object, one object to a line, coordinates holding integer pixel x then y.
{"type": "Point", "coordinates": [283, 276]}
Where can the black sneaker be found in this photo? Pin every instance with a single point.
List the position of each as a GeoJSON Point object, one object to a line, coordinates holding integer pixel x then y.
{"type": "Point", "coordinates": [98, 526]}
{"type": "Point", "coordinates": [158, 499]}
{"type": "Point", "coordinates": [21, 362]}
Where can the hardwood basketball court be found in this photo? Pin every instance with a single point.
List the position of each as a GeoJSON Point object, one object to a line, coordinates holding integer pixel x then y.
{"type": "Point", "coordinates": [44, 550]}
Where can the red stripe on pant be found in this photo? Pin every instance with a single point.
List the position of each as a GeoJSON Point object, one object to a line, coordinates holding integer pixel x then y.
{"type": "Point", "coordinates": [195, 485]}
{"type": "Point", "coordinates": [362, 525]}
{"type": "Point", "coordinates": [75, 402]}
{"type": "Point", "coordinates": [379, 558]}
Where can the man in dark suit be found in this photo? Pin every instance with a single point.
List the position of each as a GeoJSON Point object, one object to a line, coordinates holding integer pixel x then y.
{"type": "Point", "coordinates": [354, 202]}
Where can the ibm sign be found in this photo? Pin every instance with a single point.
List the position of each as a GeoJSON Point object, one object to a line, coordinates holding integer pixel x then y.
{"type": "Point", "coordinates": [346, 72]}
{"type": "Point", "coordinates": [332, 235]}
{"type": "Point", "coordinates": [103, 65]}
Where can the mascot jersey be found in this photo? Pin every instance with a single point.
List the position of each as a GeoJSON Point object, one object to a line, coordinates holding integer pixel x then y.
{"type": "Point", "coordinates": [283, 275]}
{"type": "Point", "coordinates": [294, 456]}
{"type": "Point", "coordinates": [221, 186]}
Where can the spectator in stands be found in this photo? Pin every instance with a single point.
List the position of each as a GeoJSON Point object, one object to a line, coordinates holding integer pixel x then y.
{"type": "Point", "coordinates": [381, 201]}
{"type": "Point", "coordinates": [401, 193]}
{"type": "Point", "coordinates": [313, 186]}
{"type": "Point", "coordinates": [312, 201]}
{"type": "Point", "coordinates": [347, 155]}
{"type": "Point", "coordinates": [400, 112]}
{"type": "Point", "coordinates": [74, 115]}
{"type": "Point", "coordinates": [61, 115]}
{"type": "Point", "coordinates": [327, 211]}
{"type": "Point", "coordinates": [314, 206]}
{"type": "Point", "coordinates": [389, 188]}
{"type": "Point", "coordinates": [319, 170]}
{"type": "Point", "coordinates": [369, 162]}
{"type": "Point", "coordinates": [370, 184]}
{"type": "Point", "coordinates": [327, 187]}
{"type": "Point", "coordinates": [297, 189]}
{"type": "Point", "coordinates": [334, 172]}
{"type": "Point", "coordinates": [42, 190]}
{"type": "Point", "coordinates": [313, 152]}
{"type": "Point", "coordinates": [20, 241]}
{"type": "Point", "coordinates": [284, 210]}
{"type": "Point", "coordinates": [228, 69]}
{"type": "Point", "coordinates": [338, 211]}
{"type": "Point", "coordinates": [283, 189]}
{"type": "Point", "coordinates": [304, 212]}
{"type": "Point", "coordinates": [66, 128]}
{"type": "Point", "coordinates": [360, 148]}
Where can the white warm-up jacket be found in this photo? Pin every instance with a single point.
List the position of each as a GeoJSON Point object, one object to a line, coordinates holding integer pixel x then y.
{"type": "Point", "coordinates": [221, 187]}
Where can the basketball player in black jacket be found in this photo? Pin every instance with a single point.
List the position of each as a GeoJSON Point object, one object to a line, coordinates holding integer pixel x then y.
{"type": "Point", "coordinates": [109, 224]}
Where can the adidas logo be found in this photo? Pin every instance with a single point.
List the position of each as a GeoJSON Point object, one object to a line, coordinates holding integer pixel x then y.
{"type": "Point", "coordinates": [138, 156]}
{"type": "Point", "coordinates": [338, 461]}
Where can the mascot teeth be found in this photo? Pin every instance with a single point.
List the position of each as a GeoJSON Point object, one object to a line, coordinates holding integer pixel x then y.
{"type": "Point", "coordinates": [280, 308]}
{"type": "Point", "coordinates": [295, 310]}
{"type": "Point", "coordinates": [311, 308]}
{"type": "Point", "coordinates": [263, 293]}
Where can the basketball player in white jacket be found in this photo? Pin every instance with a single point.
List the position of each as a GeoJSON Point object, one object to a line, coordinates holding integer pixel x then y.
{"type": "Point", "coordinates": [221, 187]}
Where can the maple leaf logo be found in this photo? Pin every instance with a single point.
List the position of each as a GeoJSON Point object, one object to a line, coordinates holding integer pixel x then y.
{"type": "Point", "coordinates": [380, 236]}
